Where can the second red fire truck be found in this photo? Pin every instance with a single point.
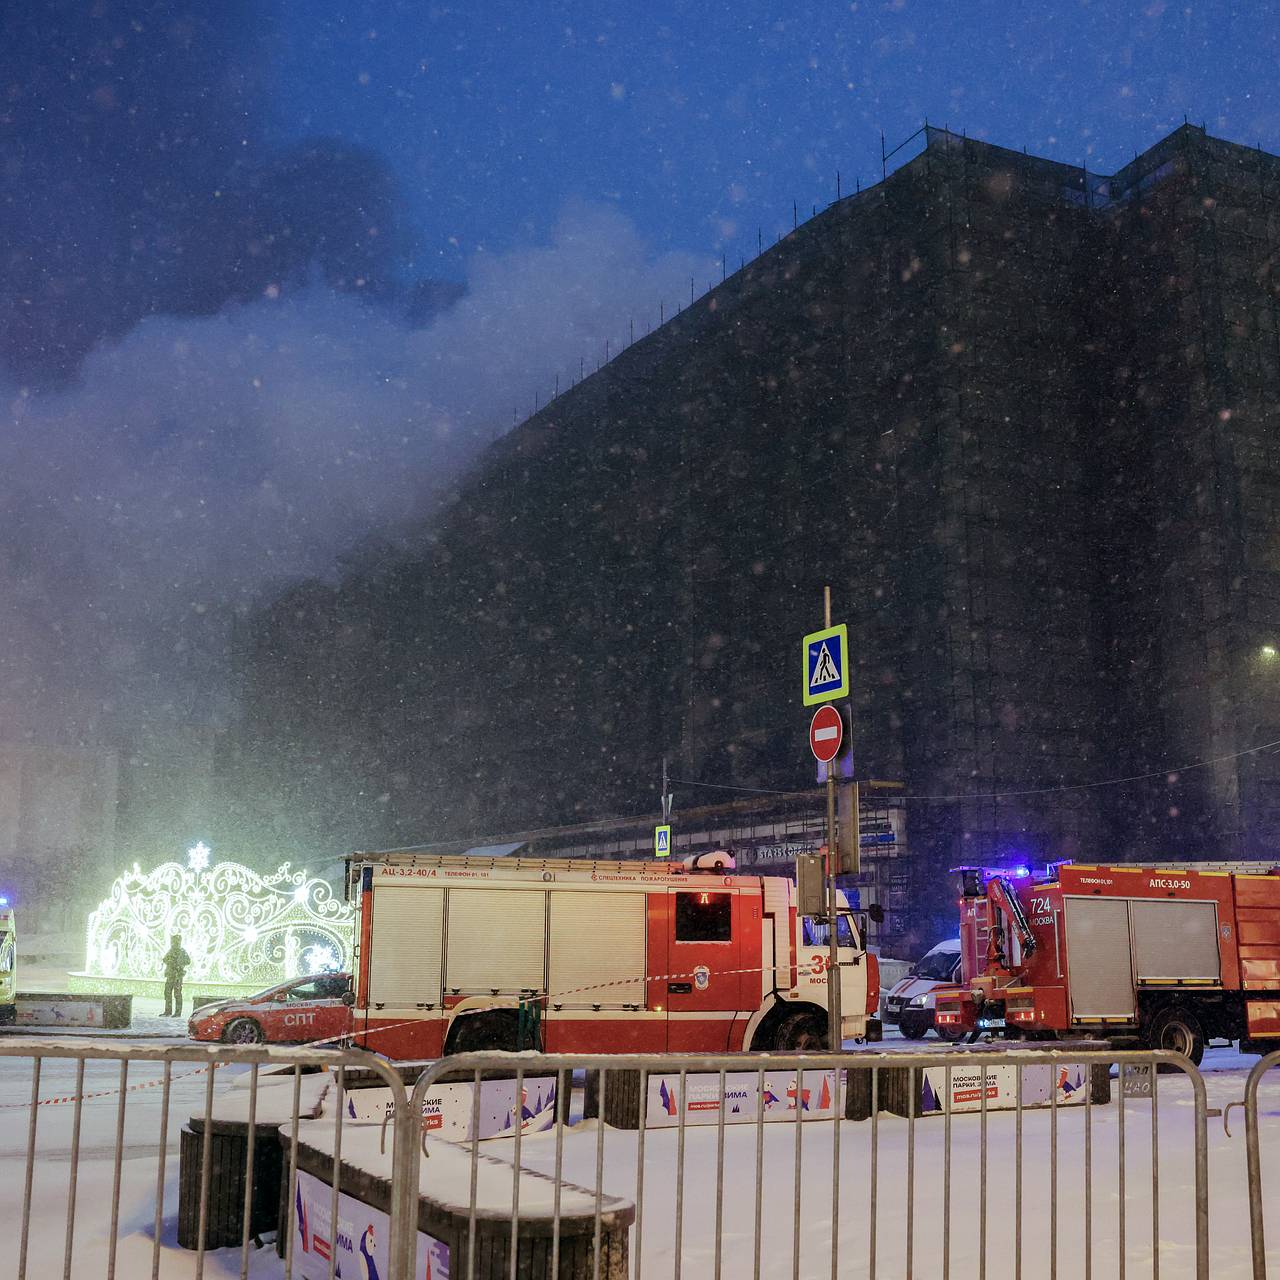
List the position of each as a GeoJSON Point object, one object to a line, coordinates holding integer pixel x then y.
{"type": "Point", "coordinates": [454, 953]}
{"type": "Point", "coordinates": [1169, 955]}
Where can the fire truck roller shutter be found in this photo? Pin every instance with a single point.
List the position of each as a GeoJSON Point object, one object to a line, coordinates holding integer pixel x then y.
{"type": "Point", "coordinates": [597, 937]}
{"type": "Point", "coordinates": [1175, 940]}
{"type": "Point", "coordinates": [1099, 964]}
{"type": "Point", "coordinates": [408, 928]}
{"type": "Point", "coordinates": [497, 941]}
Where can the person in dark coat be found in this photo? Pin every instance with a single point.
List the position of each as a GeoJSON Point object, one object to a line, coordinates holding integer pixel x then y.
{"type": "Point", "coordinates": [176, 961]}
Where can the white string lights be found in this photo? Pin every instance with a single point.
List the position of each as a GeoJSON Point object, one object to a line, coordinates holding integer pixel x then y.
{"type": "Point", "coordinates": [237, 926]}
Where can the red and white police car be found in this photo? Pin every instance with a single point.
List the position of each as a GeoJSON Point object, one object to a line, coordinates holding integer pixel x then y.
{"type": "Point", "coordinates": [302, 1009]}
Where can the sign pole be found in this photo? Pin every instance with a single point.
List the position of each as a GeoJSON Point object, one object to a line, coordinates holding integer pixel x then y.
{"type": "Point", "coordinates": [835, 1038]}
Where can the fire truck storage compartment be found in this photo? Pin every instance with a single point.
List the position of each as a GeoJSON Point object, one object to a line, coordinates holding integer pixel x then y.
{"type": "Point", "coordinates": [1099, 961]}
{"type": "Point", "coordinates": [1175, 941]}
{"type": "Point", "coordinates": [404, 966]}
{"type": "Point", "coordinates": [496, 941]}
{"type": "Point", "coordinates": [1113, 942]}
{"type": "Point", "coordinates": [594, 933]}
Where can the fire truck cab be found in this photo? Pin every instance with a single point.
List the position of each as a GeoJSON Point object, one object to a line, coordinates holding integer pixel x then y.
{"type": "Point", "coordinates": [1172, 956]}
{"type": "Point", "coordinates": [453, 953]}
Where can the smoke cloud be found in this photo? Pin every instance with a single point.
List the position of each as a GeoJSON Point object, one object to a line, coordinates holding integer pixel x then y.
{"type": "Point", "coordinates": [217, 372]}
{"type": "Point", "coordinates": [196, 462]}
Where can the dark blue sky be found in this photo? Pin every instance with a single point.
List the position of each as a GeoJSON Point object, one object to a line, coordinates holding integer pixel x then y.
{"type": "Point", "coordinates": [702, 121]}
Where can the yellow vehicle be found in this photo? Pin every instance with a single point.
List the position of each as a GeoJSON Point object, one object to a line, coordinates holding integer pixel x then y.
{"type": "Point", "coordinates": [8, 962]}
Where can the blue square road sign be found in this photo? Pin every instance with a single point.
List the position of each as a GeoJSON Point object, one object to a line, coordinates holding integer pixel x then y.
{"type": "Point", "coordinates": [826, 665]}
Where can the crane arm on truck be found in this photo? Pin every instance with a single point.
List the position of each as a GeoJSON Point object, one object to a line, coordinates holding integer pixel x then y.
{"type": "Point", "coordinates": [1002, 897]}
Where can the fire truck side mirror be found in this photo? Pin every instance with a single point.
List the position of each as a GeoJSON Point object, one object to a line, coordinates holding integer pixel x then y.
{"type": "Point", "coordinates": [875, 913]}
{"type": "Point", "coordinates": [349, 998]}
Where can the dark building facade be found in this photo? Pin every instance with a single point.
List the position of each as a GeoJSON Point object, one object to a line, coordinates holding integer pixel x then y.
{"type": "Point", "coordinates": [1021, 417]}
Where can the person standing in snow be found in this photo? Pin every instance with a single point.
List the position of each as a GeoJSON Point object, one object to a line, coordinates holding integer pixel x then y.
{"type": "Point", "coordinates": [176, 961]}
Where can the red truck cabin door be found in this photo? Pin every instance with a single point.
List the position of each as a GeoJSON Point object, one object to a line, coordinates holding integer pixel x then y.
{"type": "Point", "coordinates": [704, 945]}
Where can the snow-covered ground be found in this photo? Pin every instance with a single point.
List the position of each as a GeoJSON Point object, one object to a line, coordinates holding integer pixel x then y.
{"type": "Point", "coordinates": [1225, 1076]}
{"type": "Point", "coordinates": [1229, 1226]}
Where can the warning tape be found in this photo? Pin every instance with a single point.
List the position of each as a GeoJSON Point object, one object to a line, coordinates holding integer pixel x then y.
{"type": "Point", "coordinates": [553, 997]}
{"type": "Point", "coordinates": [549, 997]}
{"type": "Point", "coordinates": [182, 1075]}
{"type": "Point", "coordinates": [544, 998]}
{"type": "Point", "coordinates": [111, 1093]}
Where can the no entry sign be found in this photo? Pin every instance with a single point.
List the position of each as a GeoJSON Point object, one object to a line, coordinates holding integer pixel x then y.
{"type": "Point", "coordinates": [826, 732]}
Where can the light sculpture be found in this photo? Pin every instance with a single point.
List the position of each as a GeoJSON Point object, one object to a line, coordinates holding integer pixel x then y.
{"type": "Point", "coordinates": [239, 928]}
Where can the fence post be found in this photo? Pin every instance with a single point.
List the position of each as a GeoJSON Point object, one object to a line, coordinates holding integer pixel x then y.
{"type": "Point", "coordinates": [405, 1166]}
{"type": "Point", "coordinates": [1257, 1226]}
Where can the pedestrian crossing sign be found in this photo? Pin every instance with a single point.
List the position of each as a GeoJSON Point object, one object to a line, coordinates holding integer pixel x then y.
{"type": "Point", "coordinates": [662, 842]}
{"type": "Point", "coordinates": [826, 665]}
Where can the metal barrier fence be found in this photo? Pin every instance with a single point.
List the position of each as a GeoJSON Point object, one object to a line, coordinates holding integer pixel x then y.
{"type": "Point", "coordinates": [961, 1182]}
{"type": "Point", "coordinates": [939, 1179]}
{"type": "Point", "coordinates": [141, 1157]}
{"type": "Point", "coordinates": [1253, 1150]}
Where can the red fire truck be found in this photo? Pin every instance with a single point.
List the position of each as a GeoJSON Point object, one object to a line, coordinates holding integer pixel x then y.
{"type": "Point", "coordinates": [1171, 955]}
{"type": "Point", "coordinates": [454, 952]}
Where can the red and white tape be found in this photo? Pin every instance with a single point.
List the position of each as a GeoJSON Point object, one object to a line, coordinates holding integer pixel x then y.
{"type": "Point", "coordinates": [111, 1093]}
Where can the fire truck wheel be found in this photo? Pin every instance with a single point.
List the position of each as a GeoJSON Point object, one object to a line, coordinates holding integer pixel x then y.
{"type": "Point", "coordinates": [804, 1031]}
{"type": "Point", "coordinates": [913, 1025]}
{"type": "Point", "coordinates": [952, 1035]}
{"type": "Point", "coordinates": [1177, 1029]}
{"type": "Point", "coordinates": [243, 1031]}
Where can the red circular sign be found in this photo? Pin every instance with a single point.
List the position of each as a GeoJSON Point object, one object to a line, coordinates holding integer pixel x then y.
{"type": "Point", "coordinates": [826, 732]}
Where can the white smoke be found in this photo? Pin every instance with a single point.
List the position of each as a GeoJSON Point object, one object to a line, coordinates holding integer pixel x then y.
{"type": "Point", "coordinates": [197, 463]}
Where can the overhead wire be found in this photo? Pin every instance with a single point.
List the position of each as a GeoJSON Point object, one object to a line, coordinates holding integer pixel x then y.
{"type": "Point", "coordinates": [1170, 772]}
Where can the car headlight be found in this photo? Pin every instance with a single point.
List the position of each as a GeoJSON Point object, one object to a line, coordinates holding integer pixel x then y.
{"type": "Point", "coordinates": [922, 1002]}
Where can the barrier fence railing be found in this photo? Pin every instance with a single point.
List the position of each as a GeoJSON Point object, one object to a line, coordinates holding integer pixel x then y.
{"type": "Point", "coordinates": [1253, 1155]}
{"type": "Point", "coordinates": [69, 1080]}
{"type": "Point", "coordinates": [1000, 1162]}
{"type": "Point", "coordinates": [960, 1169]}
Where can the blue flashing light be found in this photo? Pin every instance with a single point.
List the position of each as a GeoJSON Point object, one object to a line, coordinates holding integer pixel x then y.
{"type": "Point", "coordinates": [1020, 873]}
{"type": "Point", "coordinates": [4, 902]}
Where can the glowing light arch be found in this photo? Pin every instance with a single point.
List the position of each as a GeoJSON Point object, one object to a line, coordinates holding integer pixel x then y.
{"type": "Point", "coordinates": [239, 928]}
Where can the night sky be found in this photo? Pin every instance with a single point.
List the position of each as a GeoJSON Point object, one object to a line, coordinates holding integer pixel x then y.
{"type": "Point", "coordinates": [273, 273]}
{"type": "Point", "coordinates": [702, 121]}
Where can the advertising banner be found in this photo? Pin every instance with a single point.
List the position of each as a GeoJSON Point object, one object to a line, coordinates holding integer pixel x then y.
{"type": "Point", "coordinates": [1039, 1084]}
{"type": "Point", "coordinates": [819, 1096]}
{"type": "Point", "coordinates": [32, 1011]}
{"type": "Point", "coordinates": [360, 1242]}
{"type": "Point", "coordinates": [447, 1109]}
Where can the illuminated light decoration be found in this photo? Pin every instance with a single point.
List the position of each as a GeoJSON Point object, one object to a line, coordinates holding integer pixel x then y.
{"type": "Point", "coordinates": [240, 928]}
{"type": "Point", "coordinates": [319, 958]}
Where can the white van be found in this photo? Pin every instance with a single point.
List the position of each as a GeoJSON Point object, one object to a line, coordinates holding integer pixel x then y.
{"type": "Point", "coordinates": [909, 1005]}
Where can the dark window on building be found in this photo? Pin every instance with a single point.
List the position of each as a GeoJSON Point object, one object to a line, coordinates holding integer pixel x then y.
{"type": "Point", "coordinates": [704, 917]}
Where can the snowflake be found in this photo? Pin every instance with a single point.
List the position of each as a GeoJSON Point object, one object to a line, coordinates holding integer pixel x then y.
{"type": "Point", "coordinates": [198, 857]}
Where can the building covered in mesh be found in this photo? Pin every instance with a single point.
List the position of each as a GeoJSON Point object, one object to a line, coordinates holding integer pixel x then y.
{"type": "Point", "coordinates": [1024, 419]}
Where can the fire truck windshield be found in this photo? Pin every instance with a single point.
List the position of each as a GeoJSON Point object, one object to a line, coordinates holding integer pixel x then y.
{"type": "Point", "coordinates": [816, 931]}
